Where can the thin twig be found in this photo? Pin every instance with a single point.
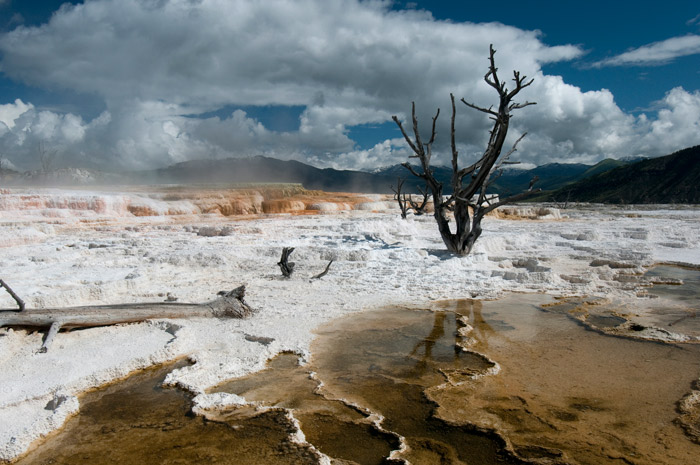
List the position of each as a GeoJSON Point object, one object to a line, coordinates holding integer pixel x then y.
{"type": "Point", "coordinates": [324, 272]}
{"type": "Point", "coordinates": [20, 302]}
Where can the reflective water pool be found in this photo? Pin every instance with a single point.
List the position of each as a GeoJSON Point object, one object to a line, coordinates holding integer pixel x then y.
{"type": "Point", "coordinates": [464, 381]}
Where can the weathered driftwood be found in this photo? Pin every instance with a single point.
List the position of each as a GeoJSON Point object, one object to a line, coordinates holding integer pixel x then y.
{"type": "Point", "coordinates": [324, 272]}
{"type": "Point", "coordinates": [228, 305]}
{"type": "Point", "coordinates": [20, 302]}
{"type": "Point", "coordinates": [285, 265]}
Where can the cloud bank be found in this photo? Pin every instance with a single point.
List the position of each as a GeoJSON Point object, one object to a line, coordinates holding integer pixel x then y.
{"type": "Point", "coordinates": [656, 53]}
{"type": "Point", "coordinates": [158, 64]}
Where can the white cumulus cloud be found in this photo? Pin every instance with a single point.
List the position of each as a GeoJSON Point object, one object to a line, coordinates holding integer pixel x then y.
{"type": "Point", "coordinates": [677, 119]}
{"type": "Point", "coordinates": [156, 65]}
{"type": "Point", "coordinates": [11, 111]}
{"type": "Point", "coordinates": [656, 53]}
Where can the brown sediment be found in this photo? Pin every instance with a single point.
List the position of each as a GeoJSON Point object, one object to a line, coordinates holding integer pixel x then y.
{"type": "Point", "coordinates": [136, 421]}
{"type": "Point", "coordinates": [194, 200]}
{"type": "Point", "coordinates": [385, 360]}
{"type": "Point", "coordinates": [469, 382]}
{"type": "Point", "coordinates": [597, 399]}
{"type": "Point", "coordinates": [681, 265]}
{"type": "Point", "coordinates": [250, 201]}
{"type": "Point", "coordinates": [668, 313]}
{"type": "Point", "coordinates": [334, 427]}
{"type": "Point", "coordinates": [689, 418]}
{"type": "Point", "coordinates": [526, 213]}
{"type": "Point", "coordinates": [283, 206]}
{"type": "Point", "coordinates": [370, 407]}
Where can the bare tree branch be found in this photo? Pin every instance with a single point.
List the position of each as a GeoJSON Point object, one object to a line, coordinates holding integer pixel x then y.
{"type": "Point", "coordinates": [405, 136]}
{"type": "Point", "coordinates": [511, 199]}
{"type": "Point", "coordinates": [517, 106]}
{"type": "Point", "coordinates": [401, 199]}
{"type": "Point", "coordinates": [453, 144]}
{"type": "Point", "coordinates": [488, 110]}
{"type": "Point", "coordinates": [419, 209]}
{"type": "Point", "coordinates": [416, 133]}
{"type": "Point", "coordinates": [433, 131]}
{"type": "Point", "coordinates": [469, 201]}
{"type": "Point", "coordinates": [413, 171]}
{"type": "Point", "coordinates": [20, 302]}
{"type": "Point", "coordinates": [324, 272]}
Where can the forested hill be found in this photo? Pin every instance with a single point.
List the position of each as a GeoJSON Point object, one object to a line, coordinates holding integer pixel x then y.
{"type": "Point", "coordinates": [673, 178]}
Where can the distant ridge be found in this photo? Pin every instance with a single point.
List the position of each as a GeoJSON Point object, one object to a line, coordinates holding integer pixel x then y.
{"type": "Point", "coordinates": [669, 179]}
{"type": "Point", "coordinates": [267, 170]}
{"type": "Point", "coordinates": [551, 176]}
{"type": "Point", "coordinates": [674, 178]}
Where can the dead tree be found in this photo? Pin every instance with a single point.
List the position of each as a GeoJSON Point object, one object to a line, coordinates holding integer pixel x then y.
{"type": "Point", "coordinates": [400, 197]}
{"type": "Point", "coordinates": [228, 304]}
{"type": "Point", "coordinates": [419, 209]}
{"type": "Point", "coordinates": [406, 202]}
{"type": "Point", "coordinates": [285, 265]}
{"type": "Point", "coordinates": [469, 201]}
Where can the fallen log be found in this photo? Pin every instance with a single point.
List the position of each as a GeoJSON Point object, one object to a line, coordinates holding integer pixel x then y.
{"type": "Point", "coordinates": [228, 305]}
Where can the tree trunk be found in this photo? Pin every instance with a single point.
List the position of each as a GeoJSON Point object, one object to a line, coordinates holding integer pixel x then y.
{"type": "Point", "coordinates": [227, 305]}
{"type": "Point", "coordinates": [469, 184]}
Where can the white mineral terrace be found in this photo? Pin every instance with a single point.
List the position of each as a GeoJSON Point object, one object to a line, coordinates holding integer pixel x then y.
{"type": "Point", "coordinates": [61, 248]}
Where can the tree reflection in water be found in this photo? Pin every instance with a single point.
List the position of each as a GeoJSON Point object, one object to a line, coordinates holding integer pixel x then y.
{"type": "Point", "coordinates": [428, 343]}
{"type": "Point", "coordinates": [468, 313]}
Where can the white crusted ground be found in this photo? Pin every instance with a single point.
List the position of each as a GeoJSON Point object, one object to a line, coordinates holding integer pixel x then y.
{"type": "Point", "coordinates": [71, 254]}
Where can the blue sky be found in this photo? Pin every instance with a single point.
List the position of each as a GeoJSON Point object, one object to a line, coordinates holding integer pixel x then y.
{"type": "Point", "coordinates": [603, 29]}
{"type": "Point", "coordinates": [122, 84]}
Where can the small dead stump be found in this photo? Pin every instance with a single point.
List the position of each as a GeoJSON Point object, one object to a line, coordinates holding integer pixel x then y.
{"type": "Point", "coordinates": [285, 265]}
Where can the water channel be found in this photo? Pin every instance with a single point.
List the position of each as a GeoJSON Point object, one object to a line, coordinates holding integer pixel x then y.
{"type": "Point", "coordinates": [464, 382]}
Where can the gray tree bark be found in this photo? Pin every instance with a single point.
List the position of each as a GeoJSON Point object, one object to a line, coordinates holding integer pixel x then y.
{"type": "Point", "coordinates": [469, 202]}
{"type": "Point", "coordinates": [229, 304]}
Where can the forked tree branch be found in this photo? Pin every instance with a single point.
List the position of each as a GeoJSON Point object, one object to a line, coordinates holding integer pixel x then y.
{"type": "Point", "coordinates": [399, 197]}
{"type": "Point", "coordinates": [20, 302]}
{"type": "Point", "coordinates": [468, 208]}
{"type": "Point", "coordinates": [405, 136]}
{"type": "Point", "coordinates": [413, 171]}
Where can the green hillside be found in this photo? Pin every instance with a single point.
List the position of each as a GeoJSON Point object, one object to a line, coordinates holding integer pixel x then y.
{"type": "Point", "coordinates": [603, 166]}
{"type": "Point", "coordinates": [673, 178]}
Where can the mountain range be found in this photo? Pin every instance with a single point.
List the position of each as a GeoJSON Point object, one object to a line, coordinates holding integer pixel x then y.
{"type": "Point", "coordinates": [551, 176]}
{"type": "Point", "coordinates": [673, 178]}
{"type": "Point", "coordinates": [269, 170]}
{"type": "Point", "coordinates": [670, 179]}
